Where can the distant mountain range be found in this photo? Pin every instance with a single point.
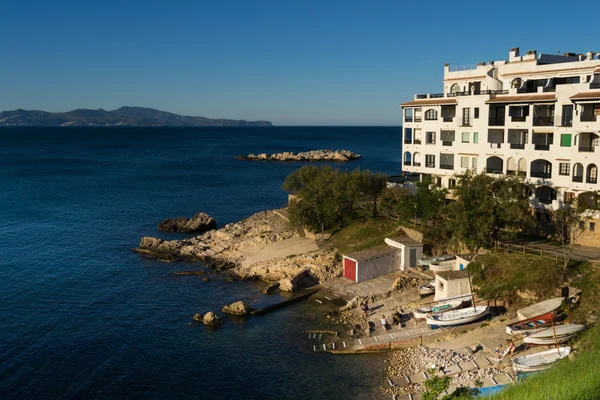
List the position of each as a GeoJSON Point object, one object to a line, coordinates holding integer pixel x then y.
{"type": "Point", "coordinates": [124, 116]}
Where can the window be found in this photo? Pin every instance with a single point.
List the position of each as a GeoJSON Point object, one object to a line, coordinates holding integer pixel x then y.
{"type": "Point", "coordinates": [464, 162]}
{"type": "Point", "coordinates": [441, 286]}
{"type": "Point", "coordinates": [569, 197]}
{"type": "Point", "coordinates": [564, 168]}
{"type": "Point", "coordinates": [465, 137]}
{"type": "Point", "coordinates": [475, 137]}
{"type": "Point", "coordinates": [565, 140]}
{"type": "Point", "coordinates": [438, 182]}
{"type": "Point", "coordinates": [451, 183]}
{"type": "Point", "coordinates": [430, 138]}
{"type": "Point", "coordinates": [430, 160]}
{"type": "Point", "coordinates": [455, 88]}
{"type": "Point", "coordinates": [466, 117]}
{"type": "Point", "coordinates": [516, 83]}
{"type": "Point", "coordinates": [581, 225]}
{"type": "Point", "coordinates": [418, 115]}
{"type": "Point", "coordinates": [431, 115]}
{"type": "Point", "coordinates": [592, 227]}
{"type": "Point", "coordinates": [474, 163]}
{"type": "Point", "coordinates": [567, 115]}
{"type": "Point", "coordinates": [407, 135]}
{"type": "Point", "coordinates": [476, 112]}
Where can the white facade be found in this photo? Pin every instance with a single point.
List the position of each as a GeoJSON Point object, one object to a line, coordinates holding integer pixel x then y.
{"type": "Point", "coordinates": [534, 116]}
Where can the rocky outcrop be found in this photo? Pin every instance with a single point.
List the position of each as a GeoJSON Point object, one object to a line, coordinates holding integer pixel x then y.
{"type": "Point", "coordinates": [313, 155]}
{"type": "Point", "coordinates": [210, 318]}
{"type": "Point", "coordinates": [200, 222]}
{"type": "Point", "coordinates": [301, 271]}
{"type": "Point", "coordinates": [197, 317]}
{"type": "Point", "coordinates": [237, 308]}
{"type": "Point", "coordinates": [272, 288]}
{"type": "Point", "coordinates": [219, 248]}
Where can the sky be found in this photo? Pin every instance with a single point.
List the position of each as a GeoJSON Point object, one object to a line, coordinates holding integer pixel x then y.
{"type": "Point", "coordinates": [304, 62]}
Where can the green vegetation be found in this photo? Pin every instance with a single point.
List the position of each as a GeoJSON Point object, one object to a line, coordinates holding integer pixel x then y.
{"type": "Point", "coordinates": [426, 205]}
{"type": "Point", "coordinates": [589, 284]}
{"type": "Point", "coordinates": [568, 380]}
{"type": "Point", "coordinates": [501, 275]}
{"type": "Point", "coordinates": [436, 385]}
{"type": "Point", "coordinates": [330, 199]}
{"type": "Point", "coordinates": [363, 234]}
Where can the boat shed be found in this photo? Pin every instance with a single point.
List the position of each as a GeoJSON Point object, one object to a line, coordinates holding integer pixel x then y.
{"type": "Point", "coordinates": [371, 263]}
{"type": "Point", "coordinates": [451, 284]}
{"type": "Point", "coordinates": [412, 250]}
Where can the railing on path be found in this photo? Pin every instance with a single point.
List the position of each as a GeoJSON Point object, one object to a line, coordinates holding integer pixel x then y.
{"type": "Point", "coordinates": [518, 248]}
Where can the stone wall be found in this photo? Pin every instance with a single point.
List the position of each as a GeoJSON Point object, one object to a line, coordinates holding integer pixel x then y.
{"type": "Point", "coordinates": [589, 238]}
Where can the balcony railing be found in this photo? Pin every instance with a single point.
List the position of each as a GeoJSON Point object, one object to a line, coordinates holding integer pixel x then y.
{"type": "Point", "coordinates": [446, 166]}
{"type": "Point", "coordinates": [544, 147]}
{"type": "Point", "coordinates": [595, 85]}
{"type": "Point", "coordinates": [586, 149]}
{"type": "Point", "coordinates": [591, 180]}
{"type": "Point", "coordinates": [446, 143]}
{"type": "Point", "coordinates": [407, 141]}
{"type": "Point", "coordinates": [543, 121]}
{"type": "Point", "coordinates": [430, 164]}
{"type": "Point", "coordinates": [517, 146]}
{"type": "Point", "coordinates": [588, 118]}
{"type": "Point", "coordinates": [541, 174]}
{"type": "Point", "coordinates": [436, 95]}
{"type": "Point", "coordinates": [518, 119]}
{"type": "Point", "coordinates": [418, 119]}
{"type": "Point", "coordinates": [566, 121]}
{"type": "Point", "coordinates": [577, 178]}
{"type": "Point", "coordinates": [522, 174]}
{"type": "Point", "coordinates": [498, 121]}
{"type": "Point", "coordinates": [407, 163]}
{"type": "Point", "coordinates": [421, 96]}
{"type": "Point", "coordinates": [495, 145]}
{"type": "Point", "coordinates": [465, 122]}
{"type": "Point", "coordinates": [416, 164]}
{"type": "Point", "coordinates": [408, 119]}
{"type": "Point", "coordinates": [493, 170]}
{"type": "Point", "coordinates": [448, 119]}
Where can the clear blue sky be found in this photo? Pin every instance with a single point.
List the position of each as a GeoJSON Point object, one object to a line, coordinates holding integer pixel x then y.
{"type": "Point", "coordinates": [290, 62]}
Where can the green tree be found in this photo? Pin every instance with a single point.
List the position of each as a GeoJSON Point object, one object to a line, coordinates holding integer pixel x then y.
{"type": "Point", "coordinates": [436, 385]}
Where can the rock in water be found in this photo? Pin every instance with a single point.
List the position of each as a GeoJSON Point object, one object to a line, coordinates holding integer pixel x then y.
{"type": "Point", "coordinates": [197, 317]}
{"type": "Point", "coordinates": [237, 308]}
{"type": "Point", "coordinates": [210, 318]}
{"type": "Point", "coordinates": [200, 222]}
{"type": "Point", "coordinates": [313, 155]}
{"type": "Point", "coordinates": [273, 287]}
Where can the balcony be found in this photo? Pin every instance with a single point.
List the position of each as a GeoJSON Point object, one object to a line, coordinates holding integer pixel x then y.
{"type": "Point", "coordinates": [446, 143]}
{"type": "Point", "coordinates": [496, 121]}
{"type": "Point", "coordinates": [543, 147]}
{"type": "Point", "coordinates": [578, 179]}
{"type": "Point", "coordinates": [408, 119]}
{"type": "Point", "coordinates": [517, 146]}
{"type": "Point", "coordinates": [591, 180]}
{"type": "Point", "coordinates": [522, 174]}
{"type": "Point", "coordinates": [418, 119]}
{"type": "Point", "coordinates": [588, 118]}
{"type": "Point", "coordinates": [417, 141]}
{"type": "Point", "coordinates": [586, 149]}
{"type": "Point", "coordinates": [407, 141]}
{"type": "Point", "coordinates": [429, 164]}
{"type": "Point", "coordinates": [416, 164]}
{"type": "Point", "coordinates": [465, 122]}
{"type": "Point", "coordinates": [543, 121]}
{"type": "Point", "coordinates": [540, 174]}
{"type": "Point", "coordinates": [495, 145]}
{"type": "Point", "coordinates": [446, 166]}
{"type": "Point", "coordinates": [566, 120]}
{"type": "Point", "coordinates": [518, 119]}
{"type": "Point", "coordinates": [407, 163]}
{"type": "Point", "coordinates": [493, 170]}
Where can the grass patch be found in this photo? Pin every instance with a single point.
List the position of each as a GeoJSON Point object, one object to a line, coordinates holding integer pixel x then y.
{"type": "Point", "coordinates": [363, 234]}
{"type": "Point", "coordinates": [572, 380]}
{"type": "Point", "coordinates": [589, 284]}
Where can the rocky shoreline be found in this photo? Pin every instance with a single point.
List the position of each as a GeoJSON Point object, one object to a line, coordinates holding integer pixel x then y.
{"type": "Point", "coordinates": [313, 155]}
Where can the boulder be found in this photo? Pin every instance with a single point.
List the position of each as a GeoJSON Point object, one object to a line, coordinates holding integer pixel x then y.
{"type": "Point", "coordinates": [292, 283]}
{"type": "Point", "coordinates": [273, 287]}
{"type": "Point", "coordinates": [237, 308]}
{"type": "Point", "coordinates": [197, 317]}
{"type": "Point", "coordinates": [210, 318]}
{"type": "Point", "coordinates": [200, 222]}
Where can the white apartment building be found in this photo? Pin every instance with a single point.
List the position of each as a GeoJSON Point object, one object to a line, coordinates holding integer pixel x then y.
{"type": "Point", "coordinates": [537, 116]}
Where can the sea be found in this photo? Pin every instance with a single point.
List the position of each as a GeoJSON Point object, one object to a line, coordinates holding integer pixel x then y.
{"type": "Point", "coordinates": [84, 317]}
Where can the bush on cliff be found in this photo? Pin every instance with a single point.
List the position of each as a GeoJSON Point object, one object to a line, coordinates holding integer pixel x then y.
{"type": "Point", "coordinates": [330, 198]}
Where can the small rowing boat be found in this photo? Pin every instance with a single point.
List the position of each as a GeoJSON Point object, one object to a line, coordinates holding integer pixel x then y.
{"type": "Point", "coordinates": [458, 317]}
{"type": "Point", "coordinates": [427, 289]}
{"type": "Point", "coordinates": [442, 306]}
{"type": "Point", "coordinates": [539, 361]}
{"type": "Point", "coordinates": [540, 308]}
{"type": "Point", "coordinates": [549, 336]}
{"type": "Point", "coordinates": [525, 326]}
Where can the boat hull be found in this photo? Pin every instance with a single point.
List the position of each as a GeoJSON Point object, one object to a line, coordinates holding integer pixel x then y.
{"type": "Point", "coordinates": [539, 361]}
{"type": "Point", "coordinates": [529, 325]}
{"type": "Point", "coordinates": [458, 317]}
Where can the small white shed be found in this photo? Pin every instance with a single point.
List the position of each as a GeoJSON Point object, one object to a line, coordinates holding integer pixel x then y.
{"type": "Point", "coordinates": [451, 284]}
{"type": "Point", "coordinates": [371, 263]}
{"type": "Point", "coordinates": [412, 250]}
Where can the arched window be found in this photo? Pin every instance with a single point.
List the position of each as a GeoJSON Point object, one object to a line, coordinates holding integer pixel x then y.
{"type": "Point", "coordinates": [578, 172]}
{"type": "Point", "coordinates": [592, 174]}
{"type": "Point", "coordinates": [516, 83]}
{"type": "Point", "coordinates": [407, 158]}
{"type": "Point", "coordinates": [455, 88]}
{"type": "Point", "coordinates": [431, 115]}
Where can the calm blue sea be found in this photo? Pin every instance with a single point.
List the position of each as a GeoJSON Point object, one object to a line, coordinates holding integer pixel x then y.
{"type": "Point", "coordinates": [81, 316]}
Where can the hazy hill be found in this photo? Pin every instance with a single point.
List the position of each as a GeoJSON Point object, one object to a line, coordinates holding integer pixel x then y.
{"type": "Point", "coordinates": [124, 116]}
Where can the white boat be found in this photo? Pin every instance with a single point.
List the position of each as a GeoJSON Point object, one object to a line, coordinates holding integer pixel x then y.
{"type": "Point", "coordinates": [427, 289]}
{"type": "Point", "coordinates": [549, 336]}
{"type": "Point", "coordinates": [442, 266]}
{"type": "Point", "coordinates": [442, 306]}
{"type": "Point", "coordinates": [539, 361]}
{"type": "Point", "coordinates": [458, 317]}
{"type": "Point", "coordinates": [540, 308]}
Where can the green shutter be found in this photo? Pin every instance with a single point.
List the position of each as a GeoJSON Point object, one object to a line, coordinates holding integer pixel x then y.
{"type": "Point", "coordinates": [565, 140]}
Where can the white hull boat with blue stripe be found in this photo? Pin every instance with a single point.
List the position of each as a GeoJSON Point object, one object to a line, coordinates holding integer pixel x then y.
{"type": "Point", "coordinates": [458, 317]}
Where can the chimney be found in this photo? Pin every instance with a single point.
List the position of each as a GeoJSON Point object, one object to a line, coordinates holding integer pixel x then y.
{"type": "Point", "coordinates": [590, 55]}
{"type": "Point", "coordinates": [513, 55]}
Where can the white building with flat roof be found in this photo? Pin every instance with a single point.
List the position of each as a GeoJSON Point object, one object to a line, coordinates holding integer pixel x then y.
{"type": "Point", "coordinates": [536, 116]}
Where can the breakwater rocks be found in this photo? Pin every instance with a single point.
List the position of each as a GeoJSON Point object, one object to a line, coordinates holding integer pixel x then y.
{"type": "Point", "coordinates": [219, 248]}
{"type": "Point", "coordinates": [313, 155]}
{"type": "Point", "coordinates": [200, 222]}
{"type": "Point", "coordinates": [237, 308]}
{"type": "Point", "coordinates": [210, 318]}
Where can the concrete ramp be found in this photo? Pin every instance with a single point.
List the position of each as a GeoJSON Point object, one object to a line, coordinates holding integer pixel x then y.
{"type": "Point", "coordinates": [283, 248]}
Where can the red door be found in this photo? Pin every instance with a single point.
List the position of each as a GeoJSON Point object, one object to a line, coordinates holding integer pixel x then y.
{"type": "Point", "coordinates": [350, 269]}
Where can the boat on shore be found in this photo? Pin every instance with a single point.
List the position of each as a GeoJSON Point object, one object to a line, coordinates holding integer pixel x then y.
{"type": "Point", "coordinates": [539, 361]}
{"type": "Point", "coordinates": [526, 326]}
{"type": "Point", "coordinates": [427, 289]}
{"type": "Point", "coordinates": [543, 307]}
{"type": "Point", "coordinates": [549, 336]}
{"type": "Point", "coordinates": [458, 317]}
{"type": "Point", "coordinates": [439, 307]}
